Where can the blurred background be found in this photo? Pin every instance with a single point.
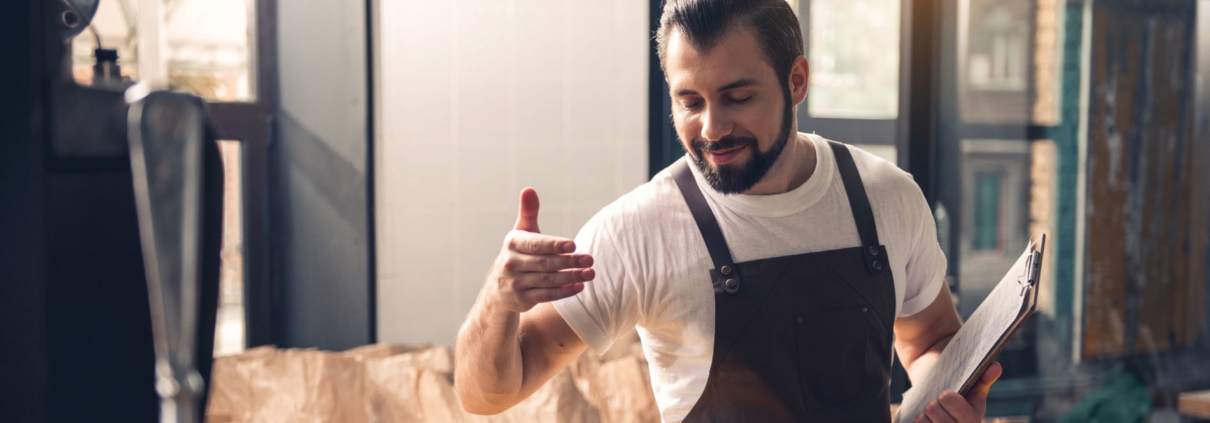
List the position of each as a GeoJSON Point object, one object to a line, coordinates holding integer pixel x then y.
{"type": "Point", "coordinates": [374, 151]}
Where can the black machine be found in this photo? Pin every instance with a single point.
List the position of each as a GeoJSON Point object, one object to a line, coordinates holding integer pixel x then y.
{"type": "Point", "coordinates": [110, 235]}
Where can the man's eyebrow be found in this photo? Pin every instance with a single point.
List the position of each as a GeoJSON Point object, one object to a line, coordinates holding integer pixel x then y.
{"type": "Point", "coordinates": [736, 84]}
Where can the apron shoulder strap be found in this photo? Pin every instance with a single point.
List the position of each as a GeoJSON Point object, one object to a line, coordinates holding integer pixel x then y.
{"type": "Point", "coordinates": [724, 265]}
{"type": "Point", "coordinates": [875, 254]}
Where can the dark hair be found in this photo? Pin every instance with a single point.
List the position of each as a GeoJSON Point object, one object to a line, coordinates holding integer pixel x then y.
{"type": "Point", "coordinates": [703, 23]}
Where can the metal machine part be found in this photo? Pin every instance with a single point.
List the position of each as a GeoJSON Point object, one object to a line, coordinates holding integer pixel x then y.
{"type": "Point", "coordinates": [81, 335]}
{"type": "Point", "coordinates": [167, 134]}
{"type": "Point", "coordinates": [73, 16]}
{"type": "Point", "coordinates": [106, 73]}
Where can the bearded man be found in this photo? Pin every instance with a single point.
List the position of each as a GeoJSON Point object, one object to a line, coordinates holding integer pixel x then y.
{"type": "Point", "coordinates": [770, 273]}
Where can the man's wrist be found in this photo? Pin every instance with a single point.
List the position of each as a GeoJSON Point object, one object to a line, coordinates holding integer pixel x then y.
{"type": "Point", "coordinates": [493, 307]}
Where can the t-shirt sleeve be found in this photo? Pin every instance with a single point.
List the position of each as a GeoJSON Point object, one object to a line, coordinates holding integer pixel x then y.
{"type": "Point", "coordinates": [608, 306]}
{"type": "Point", "coordinates": [926, 263]}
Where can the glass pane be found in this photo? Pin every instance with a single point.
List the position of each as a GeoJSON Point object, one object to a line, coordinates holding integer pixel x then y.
{"type": "Point", "coordinates": [988, 194]}
{"type": "Point", "coordinates": [1009, 57]}
{"type": "Point", "coordinates": [209, 45]}
{"type": "Point", "coordinates": [229, 336]}
{"type": "Point", "coordinates": [994, 60]}
{"type": "Point", "coordinates": [854, 56]}
{"type": "Point", "coordinates": [995, 209]}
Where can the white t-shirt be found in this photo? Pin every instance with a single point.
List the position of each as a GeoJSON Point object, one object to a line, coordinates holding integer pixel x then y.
{"type": "Point", "coordinates": [653, 268]}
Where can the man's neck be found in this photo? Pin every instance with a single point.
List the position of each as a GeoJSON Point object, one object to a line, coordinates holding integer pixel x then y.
{"type": "Point", "coordinates": [793, 168]}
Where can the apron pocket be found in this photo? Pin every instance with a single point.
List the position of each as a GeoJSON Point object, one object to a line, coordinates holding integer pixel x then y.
{"type": "Point", "coordinates": [831, 350]}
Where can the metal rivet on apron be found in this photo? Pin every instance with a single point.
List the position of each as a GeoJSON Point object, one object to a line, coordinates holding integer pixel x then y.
{"type": "Point", "coordinates": [865, 309]}
{"type": "Point", "coordinates": [731, 283]}
{"type": "Point", "coordinates": [726, 270]}
{"type": "Point", "coordinates": [873, 251]}
{"type": "Point", "coordinates": [798, 319]}
{"type": "Point", "coordinates": [877, 265]}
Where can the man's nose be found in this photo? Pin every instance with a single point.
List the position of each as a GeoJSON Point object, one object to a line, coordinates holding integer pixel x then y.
{"type": "Point", "coordinates": [716, 124]}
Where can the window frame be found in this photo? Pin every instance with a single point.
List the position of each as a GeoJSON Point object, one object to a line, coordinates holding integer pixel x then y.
{"type": "Point", "coordinates": [252, 124]}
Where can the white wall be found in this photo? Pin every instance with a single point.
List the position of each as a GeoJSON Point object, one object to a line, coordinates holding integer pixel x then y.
{"type": "Point", "coordinates": [476, 100]}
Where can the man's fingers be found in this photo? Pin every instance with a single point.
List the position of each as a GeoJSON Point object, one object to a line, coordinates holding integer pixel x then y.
{"type": "Point", "coordinates": [527, 216]}
{"type": "Point", "coordinates": [977, 396]}
{"type": "Point", "coordinates": [937, 414]}
{"type": "Point", "coordinates": [535, 243]}
{"type": "Point", "coordinates": [545, 280]}
{"type": "Point", "coordinates": [545, 295]}
{"type": "Point", "coordinates": [989, 377]}
{"type": "Point", "coordinates": [985, 381]}
{"type": "Point", "coordinates": [549, 262]}
{"type": "Point", "coordinates": [957, 407]}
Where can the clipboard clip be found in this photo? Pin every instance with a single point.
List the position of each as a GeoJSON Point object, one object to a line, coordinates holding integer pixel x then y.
{"type": "Point", "coordinates": [1030, 275]}
{"type": "Point", "coordinates": [1024, 278]}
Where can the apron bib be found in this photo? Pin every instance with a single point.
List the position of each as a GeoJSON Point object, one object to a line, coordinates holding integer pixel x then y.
{"type": "Point", "coordinates": [800, 338]}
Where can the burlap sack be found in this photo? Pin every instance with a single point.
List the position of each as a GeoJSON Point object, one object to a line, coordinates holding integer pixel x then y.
{"type": "Point", "coordinates": [298, 386]}
{"type": "Point", "coordinates": [392, 383]}
{"type": "Point", "coordinates": [230, 393]}
{"type": "Point", "coordinates": [412, 387]}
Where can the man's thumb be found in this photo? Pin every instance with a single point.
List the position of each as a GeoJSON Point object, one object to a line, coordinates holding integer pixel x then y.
{"type": "Point", "coordinates": [527, 217]}
{"type": "Point", "coordinates": [978, 393]}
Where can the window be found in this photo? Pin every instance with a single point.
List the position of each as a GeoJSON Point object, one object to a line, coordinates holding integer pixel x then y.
{"type": "Point", "coordinates": [229, 330]}
{"type": "Point", "coordinates": [1009, 57]}
{"type": "Point", "coordinates": [988, 195]}
{"type": "Point", "coordinates": [854, 57]}
{"type": "Point", "coordinates": [855, 93]}
{"type": "Point", "coordinates": [205, 46]}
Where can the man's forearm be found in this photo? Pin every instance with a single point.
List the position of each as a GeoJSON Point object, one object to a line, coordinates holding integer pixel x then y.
{"type": "Point", "coordinates": [488, 370]}
{"type": "Point", "coordinates": [919, 366]}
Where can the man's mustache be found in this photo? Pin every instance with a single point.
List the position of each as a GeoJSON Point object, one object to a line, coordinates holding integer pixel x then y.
{"type": "Point", "coordinates": [703, 146]}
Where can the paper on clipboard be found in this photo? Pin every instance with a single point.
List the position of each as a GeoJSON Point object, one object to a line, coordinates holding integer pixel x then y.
{"type": "Point", "coordinates": [982, 337]}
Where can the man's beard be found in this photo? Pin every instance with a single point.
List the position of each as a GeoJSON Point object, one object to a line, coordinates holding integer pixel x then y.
{"type": "Point", "coordinates": [735, 178]}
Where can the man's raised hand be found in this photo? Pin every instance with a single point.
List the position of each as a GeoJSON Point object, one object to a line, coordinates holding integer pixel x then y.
{"type": "Point", "coordinates": [533, 268]}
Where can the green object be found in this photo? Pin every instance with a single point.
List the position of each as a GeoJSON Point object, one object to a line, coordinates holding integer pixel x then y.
{"type": "Point", "coordinates": [987, 211]}
{"type": "Point", "coordinates": [1125, 399]}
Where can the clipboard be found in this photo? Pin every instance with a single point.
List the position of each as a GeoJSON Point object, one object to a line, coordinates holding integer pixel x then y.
{"type": "Point", "coordinates": [982, 337]}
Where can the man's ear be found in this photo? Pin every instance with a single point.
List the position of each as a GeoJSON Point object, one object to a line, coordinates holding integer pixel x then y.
{"type": "Point", "coordinates": [799, 75]}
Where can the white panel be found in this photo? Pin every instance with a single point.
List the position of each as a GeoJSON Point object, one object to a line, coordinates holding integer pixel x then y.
{"type": "Point", "coordinates": [425, 244]}
{"type": "Point", "coordinates": [535, 165]}
{"type": "Point", "coordinates": [538, 41]}
{"type": "Point", "coordinates": [416, 312]}
{"type": "Point", "coordinates": [539, 110]}
{"type": "Point", "coordinates": [417, 109]}
{"type": "Point", "coordinates": [591, 112]}
{"type": "Point", "coordinates": [482, 115]}
{"type": "Point", "coordinates": [428, 175]}
{"type": "Point", "coordinates": [591, 182]}
{"type": "Point", "coordinates": [589, 42]}
{"type": "Point", "coordinates": [485, 177]}
{"type": "Point", "coordinates": [478, 99]}
{"type": "Point", "coordinates": [479, 238]}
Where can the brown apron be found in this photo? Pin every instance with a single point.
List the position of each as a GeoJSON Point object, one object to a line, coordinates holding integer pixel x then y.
{"type": "Point", "coordinates": [799, 338]}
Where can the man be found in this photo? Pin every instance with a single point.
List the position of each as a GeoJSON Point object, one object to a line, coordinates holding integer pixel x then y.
{"type": "Point", "coordinates": [765, 273]}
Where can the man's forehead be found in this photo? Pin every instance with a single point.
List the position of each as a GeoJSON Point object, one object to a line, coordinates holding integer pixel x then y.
{"type": "Point", "coordinates": [734, 57]}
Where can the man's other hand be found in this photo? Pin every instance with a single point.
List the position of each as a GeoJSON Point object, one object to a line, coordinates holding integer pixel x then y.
{"type": "Point", "coordinates": [534, 268]}
{"type": "Point", "coordinates": [949, 407]}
